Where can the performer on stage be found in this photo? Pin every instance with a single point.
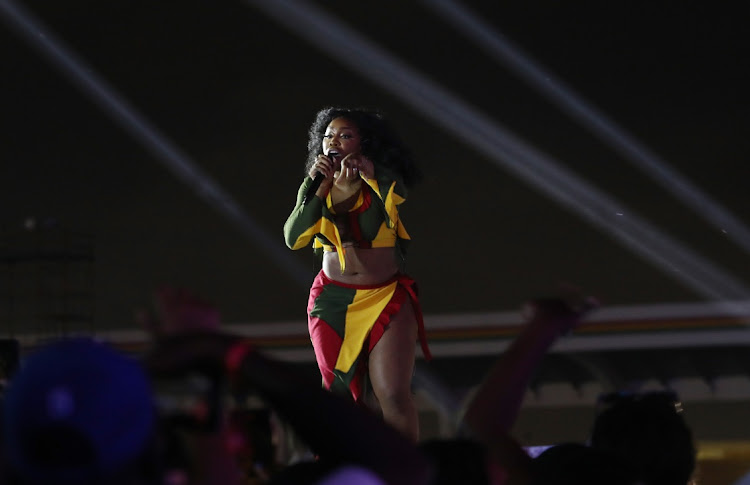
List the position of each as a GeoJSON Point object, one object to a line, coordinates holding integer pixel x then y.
{"type": "Point", "coordinates": [363, 312]}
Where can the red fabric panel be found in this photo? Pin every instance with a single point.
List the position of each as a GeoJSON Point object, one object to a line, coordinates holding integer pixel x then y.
{"type": "Point", "coordinates": [326, 343]}
{"type": "Point", "coordinates": [407, 288]}
{"type": "Point", "coordinates": [393, 306]}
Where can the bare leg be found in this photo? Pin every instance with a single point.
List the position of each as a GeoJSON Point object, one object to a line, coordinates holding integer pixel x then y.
{"type": "Point", "coordinates": [391, 369]}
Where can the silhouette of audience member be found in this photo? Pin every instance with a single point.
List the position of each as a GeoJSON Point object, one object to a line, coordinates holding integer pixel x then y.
{"type": "Point", "coordinates": [578, 464]}
{"type": "Point", "coordinates": [648, 430]}
{"type": "Point", "coordinates": [458, 460]}
{"type": "Point", "coordinates": [341, 433]}
{"type": "Point", "coordinates": [79, 412]}
{"type": "Point", "coordinates": [490, 413]}
{"type": "Point", "coordinates": [485, 452]}
{"type": "Point", "coordinates": [347, 439]}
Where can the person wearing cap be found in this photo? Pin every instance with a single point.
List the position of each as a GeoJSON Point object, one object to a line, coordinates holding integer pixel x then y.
{"type": "Point", "coordinates": [78, 411]}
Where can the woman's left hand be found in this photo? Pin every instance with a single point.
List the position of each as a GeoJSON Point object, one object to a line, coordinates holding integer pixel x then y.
{"type": "Point", "coordinates": [348, 181]}
{"type": "Point", "coordinates": [353, 165]}
{"type": "Point", "coordinates": [366, 167]}
{"type": "Point", "coordinates": [348, 175]}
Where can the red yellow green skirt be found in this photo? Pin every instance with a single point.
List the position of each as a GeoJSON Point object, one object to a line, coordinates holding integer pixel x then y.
{"type": "Point", "coordinates": [346, 322]}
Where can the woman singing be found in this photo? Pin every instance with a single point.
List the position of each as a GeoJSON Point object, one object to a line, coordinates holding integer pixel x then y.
{"type": "Point", "coordinates": [363, 313]}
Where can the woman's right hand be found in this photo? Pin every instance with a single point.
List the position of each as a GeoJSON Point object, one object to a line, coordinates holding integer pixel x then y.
{"type": "Point", "coordinates": [325, 166]}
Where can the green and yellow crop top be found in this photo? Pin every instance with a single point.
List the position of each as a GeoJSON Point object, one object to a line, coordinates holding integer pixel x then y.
{"type": "Point", "coordinates": [373, 222]}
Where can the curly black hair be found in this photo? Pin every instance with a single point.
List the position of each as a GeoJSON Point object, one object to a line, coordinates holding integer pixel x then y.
{"type": "Point", "coordinates": [379, 141]}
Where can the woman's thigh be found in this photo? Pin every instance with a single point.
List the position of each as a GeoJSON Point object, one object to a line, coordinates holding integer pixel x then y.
{"type": "Point", "coordinates": [391, 361]}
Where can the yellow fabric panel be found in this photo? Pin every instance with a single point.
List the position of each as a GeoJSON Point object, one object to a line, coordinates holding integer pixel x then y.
{"type": "Point", "coordinates": [304, 238]}
{"type": "Point", "coordinates": [331, 232]}
{"type": "Point", "coordinates": [391, 201]}
{"type": "Point", "coordinates": [401, 230]}
{"type": "Point", "coordinates": [390, 204]}
{"type": "Point", "coordinates": [357, 205]}
{"type": "Point", "coordinates": [361, 315]}
{"type": "Point", "coordinates": [374, 184]}
{"type": "Point", "coordinates": [397, 199]}
{"type": "Point", "coordinates": [386, 237]}
{"type": "Point", "coordinates": [336, 240]}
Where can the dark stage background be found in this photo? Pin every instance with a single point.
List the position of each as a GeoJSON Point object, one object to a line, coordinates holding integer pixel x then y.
{"type": "Point", "coordinates": [235, 91]}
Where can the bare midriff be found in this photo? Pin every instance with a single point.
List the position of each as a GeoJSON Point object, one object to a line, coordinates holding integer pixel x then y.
{"type": "Point", "coordinates": [364, 266]}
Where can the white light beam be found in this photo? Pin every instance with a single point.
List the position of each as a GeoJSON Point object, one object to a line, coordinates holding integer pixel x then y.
{"type": "Point", "coordinates": [504, 51]}
{"type": "Point", "coordinates": [504, 148]}
{"type": "Point", "coordinates": [168, 154]}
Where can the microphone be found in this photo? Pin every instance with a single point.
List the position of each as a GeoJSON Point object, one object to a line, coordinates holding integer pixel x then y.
{"type": "Point", "coordinates": [319, 177]}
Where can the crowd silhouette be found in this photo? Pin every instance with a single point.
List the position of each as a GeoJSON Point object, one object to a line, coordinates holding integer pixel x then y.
{"type": "Point", "coordinates": [81, 411]}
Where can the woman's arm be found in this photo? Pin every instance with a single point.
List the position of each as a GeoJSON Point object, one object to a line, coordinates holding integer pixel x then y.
{"type": "Point", "coordinates": [348, 182]}
{"type": "Point", "coordinates": [304, 221]}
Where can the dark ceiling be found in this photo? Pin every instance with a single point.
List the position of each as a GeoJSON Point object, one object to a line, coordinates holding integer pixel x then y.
{"type": "Point", "coordinates": [235, 91]}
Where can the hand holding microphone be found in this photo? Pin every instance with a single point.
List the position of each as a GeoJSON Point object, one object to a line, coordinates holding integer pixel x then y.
{"type": "Point", "coordinates": [321, 169]}
{"type": "Point", "coordinates": [348, 169]}
{"type": "Point", "coordinates": [317, 180]}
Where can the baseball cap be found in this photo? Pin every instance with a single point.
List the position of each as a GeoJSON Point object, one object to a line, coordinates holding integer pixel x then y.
{"type": "Point", "coordinates": [76, 410]}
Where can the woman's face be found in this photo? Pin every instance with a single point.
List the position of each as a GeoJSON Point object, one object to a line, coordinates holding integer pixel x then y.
{"type": "Point", "coordinates": [340, 139]}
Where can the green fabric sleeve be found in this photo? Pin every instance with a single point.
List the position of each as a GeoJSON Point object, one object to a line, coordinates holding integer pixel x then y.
{"type": "Point", "coordinates": [301, 224]}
